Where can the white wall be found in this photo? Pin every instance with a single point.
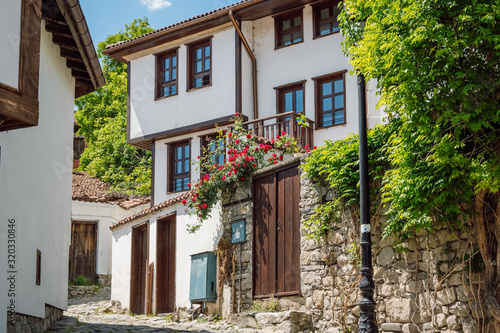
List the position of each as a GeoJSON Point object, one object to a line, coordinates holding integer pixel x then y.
{"type": "Point", "coordinates": [149, 116]}
{"type": "Point", "coordinates": [105, 215]}
{"type": "Point", "coordinates": [187, 244]}
{"type": "Point", "coordinates": [35, 188]}
{"type": "Point", "coordinates": [10, 39]}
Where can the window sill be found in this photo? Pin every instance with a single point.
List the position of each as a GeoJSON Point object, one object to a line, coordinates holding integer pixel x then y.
{"type": "Point", "coordinates": [285, 46]}
{"type": "Point", "coordinates": [177, 192]}
{"type": "Point", "coordinates": [326, 127]}
{"type": "Point", "coordinates": [160, 98]}
{"type": "Point", "coordinates": [193, 89]}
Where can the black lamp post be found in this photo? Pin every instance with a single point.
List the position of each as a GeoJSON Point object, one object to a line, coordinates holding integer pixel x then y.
{"type": "Point", "coordinates": [367, 320]}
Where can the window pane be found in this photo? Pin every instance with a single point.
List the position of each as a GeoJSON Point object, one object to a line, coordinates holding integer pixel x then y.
{"type": "Point", "coordinates": [206, 80]}
{"type": "Point", "coordinates": [207, 64]}
{"type": "Point", "coordinates": [327, 104]}
{"type": "Point", "coordinates": [288, 101]}
{"type": "Point", "coordinates": [185, 182]}
{"type": "Point", "coordinates": [199, 53]}
{"type": "Point", "coordinates": [286, 24]}
{"type": "Point", "coordinates": [166, 63]}
{"type": "Point", "coordinates": [338, 86]}
{"type": "Point", "coordinates": [325, 13]}
{"type": "Point", "coordinates": [287, 39]}
{"type": "Point", "coordinates": [220, 159]}
{"type": "Point", "coordinates": [297, 21]}
{"type": "Point", "coordinates": [186, 151]}
{"type": "Point", "coordinates": [207, 51]}
{"type": "Point", "coordinates": [165, 91]}
{"type": "Point", "coordinates": [178, 185]}
{"type": "Point", "coordinates": [166, 76]}
{"type": "Point", "coordinates": [174, 61]}
{"type": "Point", "coordinates": [327, 88]}
{"type": "Point", "coordinates": [335, 26]}
{"type": "Point", "coordinates": [339, 117]}
{"type": "Point", "coordinates": [299, 101]}
{"type": "Point", "coordinates": [178, 153]}
{"type": "Point", "coordinates": [198, 67]}
{"type": "Point", "coordinates": [173, 89]}
{"type": "Point", "coordinates": [297, 36]}
{"type": "Point", "coordinates": [174, 74]}
{"type": "Point", "coordinates": [186, 165]}
{"type": "Point", "coordinates": [324, 29]}
{"type": "Point", "coordinates": [197, 82]}
{"type": "Point", "coordinates": [327, 119]}
{"type": "Point", "coordinates": [339, 101]}
{"type": "Point", "coordinates": [178, 167]}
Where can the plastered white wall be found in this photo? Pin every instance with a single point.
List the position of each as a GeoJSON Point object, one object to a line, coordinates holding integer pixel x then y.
{"type": "Point", "coordinates": [10, 39]}
{"type": "Point", "coordinates": [148, 116]}
{"type": "Point", "coordinates": [105, 215]}
{"type": "Point", "coordinates": [35, 188]}
{"type": "Point", "coordinates": [187, 244]}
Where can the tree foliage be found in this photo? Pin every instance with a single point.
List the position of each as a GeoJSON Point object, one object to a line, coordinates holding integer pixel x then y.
{"type": "Point", "coordinates": [437, 64]}
{"type": "Point", "coordinates": [102, 117]}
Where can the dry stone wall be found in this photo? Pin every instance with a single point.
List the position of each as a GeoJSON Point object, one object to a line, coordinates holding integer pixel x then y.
{"type": "Point", "coordinates": [431, 286]}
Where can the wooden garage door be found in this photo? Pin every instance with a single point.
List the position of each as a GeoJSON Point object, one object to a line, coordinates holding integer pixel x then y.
{"type": "Point", "coordinates": [276, 266]}
{"type": "Point", "coordinates": [83, 250]}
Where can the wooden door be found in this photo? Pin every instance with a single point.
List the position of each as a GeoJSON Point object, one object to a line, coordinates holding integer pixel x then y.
{"type": "Point", "coordinates": [165, 260]}
{"type": "Point", "coordinates": [139, 269]}
{"type": "Point", "coordinates": [276, 250]}
{"type": "Point", "coordinates": [83, 250]}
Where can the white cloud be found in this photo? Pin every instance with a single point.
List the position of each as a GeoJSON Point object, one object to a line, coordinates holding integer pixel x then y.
{"type": "Point", "coordinates": [156, 4]}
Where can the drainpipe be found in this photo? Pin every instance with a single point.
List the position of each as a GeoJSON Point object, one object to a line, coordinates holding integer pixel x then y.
{"type": "Point", "coordinates": [254, 64]}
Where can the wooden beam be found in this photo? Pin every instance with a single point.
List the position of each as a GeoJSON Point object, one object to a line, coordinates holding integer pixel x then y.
{"type": "Point", "coordinates": [67, 43]}
{"type": "Point", "coordinates": [76, 65]}
{"type": "Point", "coordinates": [19, 107]}
{"type": "Point", "coordinates": [80, 74]}
{"type": "Point", "coordinates": [59, 29]}
{"type": "Point", "coordinates": [70, 54]}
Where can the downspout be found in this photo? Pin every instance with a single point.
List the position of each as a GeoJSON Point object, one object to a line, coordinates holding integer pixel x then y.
{"type": "Point", "coordinates": [254, 65]}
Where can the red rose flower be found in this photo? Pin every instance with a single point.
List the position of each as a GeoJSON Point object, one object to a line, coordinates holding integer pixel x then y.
{"type": "Point", "coordinates": [278, 137]}
{"type": "Point", "coordinates": [184, 202]}
{"type": "Point", "coordinates": [281, 157]}
{"type": "Point", "coordinates": [249, 136]}
{"type": "Point", "coordinates": [283, 133]}
{"type": "Point", "coordinates": [223, 177]}
{"type": "Point", "coordinates": [242, 178]}
{"type": "Point", "coordinates": [204, 206]}
{"type": "Point", "coordinates": [315, 147]}
{"type": "Point", "coordinates": [254, 165]}
{"type": "Point", "coordinates": [237, 141]}
{"type": "Point", "coordinates": [230, 134]}
{"type": "Point", "coordinates": [306, 146]}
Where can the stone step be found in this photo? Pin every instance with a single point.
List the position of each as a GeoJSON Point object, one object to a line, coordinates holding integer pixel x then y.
{"type": "Point", "coordinates": [287, 321]}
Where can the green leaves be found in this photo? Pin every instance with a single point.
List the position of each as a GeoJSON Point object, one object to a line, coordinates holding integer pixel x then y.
{"type": "Point", "coordinates": [102, 118]}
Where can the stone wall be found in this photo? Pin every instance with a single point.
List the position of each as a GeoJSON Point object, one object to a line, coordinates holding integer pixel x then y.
{"type": "Point", "coordinates": [428, 287]}
{"type": "Point", "coordinates": [24, 323]}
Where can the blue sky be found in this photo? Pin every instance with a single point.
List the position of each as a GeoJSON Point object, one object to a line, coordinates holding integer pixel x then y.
{"type": "Point", "coordinates": [107, 17]}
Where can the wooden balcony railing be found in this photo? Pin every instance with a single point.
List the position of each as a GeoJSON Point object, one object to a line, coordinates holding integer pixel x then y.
{"type": "Point", "coordinates": [289, 122]}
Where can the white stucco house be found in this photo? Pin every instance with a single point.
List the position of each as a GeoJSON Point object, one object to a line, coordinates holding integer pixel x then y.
{"type": "Point", "coordinates": [258, 58]}
{"type": "Point", "coordinates": [47, 60]}
{"type": "Point", "coordinates": [93, 211]}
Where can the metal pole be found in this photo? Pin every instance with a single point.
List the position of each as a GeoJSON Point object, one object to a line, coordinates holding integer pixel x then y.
{"type": "Point", "coordinates": [239, 282]}
{"type": "Point", "coordinates": [367, 320]}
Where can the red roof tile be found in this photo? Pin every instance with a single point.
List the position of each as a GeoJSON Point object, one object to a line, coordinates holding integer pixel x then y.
{"type": "Point", "coordinates": [90, 189]}
{"type": "Point", "coordinates": [153, 209]}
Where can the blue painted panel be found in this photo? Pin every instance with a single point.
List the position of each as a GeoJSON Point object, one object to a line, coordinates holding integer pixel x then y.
{"type": "Point", "coordinates": [202, 286]}
{"type": "Point", "coordinates": [238, 233]}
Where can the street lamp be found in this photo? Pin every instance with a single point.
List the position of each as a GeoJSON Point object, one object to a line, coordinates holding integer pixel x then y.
{"type": "Point", "coordinates": [367, 319]}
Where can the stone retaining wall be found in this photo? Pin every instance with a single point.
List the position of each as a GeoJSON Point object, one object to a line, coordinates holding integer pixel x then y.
{"type": "Point", "coordinates": [427, 288]}
{"type": "Point", "coordinates": [83, 291]}
{"type": "Point", "coordinates": [24, 323]}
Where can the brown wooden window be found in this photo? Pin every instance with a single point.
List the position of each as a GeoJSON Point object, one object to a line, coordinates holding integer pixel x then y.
{"type": "Point", "coordinates": [330, 103]}
{"type": "Point", "coordinates": [200, 64]}
{"type": "Point", "coordinates": [216, 147]}
{"type": "Point", "coordinates": [288, 28]}
{"type": "Point", "coordinates": [179, 166]}
{"type": "Point", "coordinates": [325, 18]}
{"type": "Point", "coordinates": [166, 74]}
{"type": "Point", "coordinates": [38, 267]}
{"type": "Point", "coordinates": [291, 98]}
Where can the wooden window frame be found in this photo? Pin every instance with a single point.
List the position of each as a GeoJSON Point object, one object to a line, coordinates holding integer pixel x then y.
{"type": "Point", "coordinates": [191, 70]}
{"type": "Point", "coordinates": [160, 70]}
{"type": "Point", "coordinates": [331, 19]}
{"type": "Point", "coordinates": [203, 143]}
{"type": "Point", "coordinates": [171, 176]}
{"type": "Point", "coordinates": [21, 102]}
{"type": "Point", "coordinates": [38, 275]}
{"type": "Point", "coordinates": [281, 90]}
{"type": "Point", "coordinates": [318, 96]}
{"type": "Point", "coordinates": [279, 32]}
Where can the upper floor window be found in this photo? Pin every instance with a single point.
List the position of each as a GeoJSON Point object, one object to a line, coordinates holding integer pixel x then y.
{"type": "Point", "coordinates": [330, 103]}
{"type": "Point", "coordinates": [290, 98]}
{"type": "Point", "coordinates": [288, 28]}
{"type": "Point", "coordinates": [325, 18]}
{"type": "Point", "coordinates": [215, 147]}
{"type": "Point", "coordinates": [166, 74]}
{"type": "Point", "coordinates": [179, 166]}
{"type": "Point", "coordinates": [200, 64]}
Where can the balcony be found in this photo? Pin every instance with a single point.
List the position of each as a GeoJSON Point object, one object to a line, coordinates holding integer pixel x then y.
{"type": "Point", "coordinates": [289, 122]}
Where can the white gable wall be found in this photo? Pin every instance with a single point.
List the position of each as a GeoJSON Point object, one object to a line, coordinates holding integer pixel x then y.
{"type": "Point", "coordinates": [35, 188]}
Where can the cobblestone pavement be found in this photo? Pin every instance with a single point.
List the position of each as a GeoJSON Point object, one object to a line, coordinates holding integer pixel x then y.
{"type": "Point", "coordinates": [97, 313]}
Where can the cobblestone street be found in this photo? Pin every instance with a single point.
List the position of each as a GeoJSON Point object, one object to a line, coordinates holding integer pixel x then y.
{"type": "Point", "coordinates": [98, 314]}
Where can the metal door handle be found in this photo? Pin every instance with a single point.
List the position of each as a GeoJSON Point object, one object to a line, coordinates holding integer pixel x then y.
{"type": "Point", "coordinates": [279, 224]}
